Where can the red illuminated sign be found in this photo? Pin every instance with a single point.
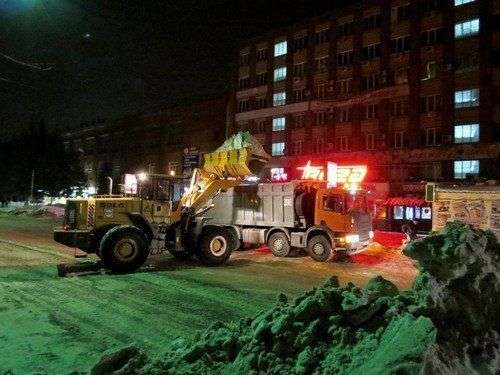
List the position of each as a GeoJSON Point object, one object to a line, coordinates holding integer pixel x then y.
{"type": "Point", "coordinates": [279, 175]}
{"type": "Point", "coordinates": [348, 175]}
{"type": "Point", "coordinates": [312, 172]}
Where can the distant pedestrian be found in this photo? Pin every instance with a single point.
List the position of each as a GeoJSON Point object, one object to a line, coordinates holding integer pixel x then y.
{"type": "Point", "coordinates": [410, 230]}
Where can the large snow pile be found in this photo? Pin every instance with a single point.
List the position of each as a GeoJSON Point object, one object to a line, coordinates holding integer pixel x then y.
{"type": "Point", "coordinates": [447, 323]}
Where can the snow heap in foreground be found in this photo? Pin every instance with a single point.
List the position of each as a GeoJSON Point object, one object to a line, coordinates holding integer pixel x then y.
{"type": "Point", "coordinates": [446, 324]}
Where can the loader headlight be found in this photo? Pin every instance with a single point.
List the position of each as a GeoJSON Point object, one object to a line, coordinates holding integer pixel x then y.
{"type": "Point", "coordinates": [351, 238]}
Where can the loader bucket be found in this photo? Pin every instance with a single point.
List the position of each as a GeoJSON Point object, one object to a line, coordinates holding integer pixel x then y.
{"type": "Point", "coordinates": [240, 156]}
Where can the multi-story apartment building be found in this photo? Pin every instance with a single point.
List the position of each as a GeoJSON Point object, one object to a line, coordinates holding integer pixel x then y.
{"type": "Point", "coordinates": [163, 140]}
{"type": "Point", "coordinates": [408, 87]}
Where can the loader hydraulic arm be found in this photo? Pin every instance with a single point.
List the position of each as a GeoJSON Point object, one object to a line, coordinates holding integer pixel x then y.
{"type": "Point", "coordinates": [240, 156]}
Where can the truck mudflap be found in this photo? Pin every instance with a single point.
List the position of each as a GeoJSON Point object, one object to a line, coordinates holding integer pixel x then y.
{"type": "Point", "coordinates": [74, 238]}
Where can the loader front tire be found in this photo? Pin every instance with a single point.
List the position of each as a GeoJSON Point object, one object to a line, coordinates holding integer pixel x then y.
{"type": "Point", "coordinates": [124, 248]}
{"type": "Point", "coordinates": [215, 246]}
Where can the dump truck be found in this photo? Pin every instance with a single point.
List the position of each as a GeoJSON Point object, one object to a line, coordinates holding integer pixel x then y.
{"type": "Point", "coordinates": [121, 228]}
{"type": "Point", "coordinates": [303, 215]}
{"type": "Point", "coordinates": [477, 205]}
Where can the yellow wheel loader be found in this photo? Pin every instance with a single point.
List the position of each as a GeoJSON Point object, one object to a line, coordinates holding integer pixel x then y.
{"type": "Point", "coordinates": [121, 228]}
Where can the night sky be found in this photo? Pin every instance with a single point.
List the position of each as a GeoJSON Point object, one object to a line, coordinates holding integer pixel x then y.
{"type": "Point", "coordinates": [81, 59]}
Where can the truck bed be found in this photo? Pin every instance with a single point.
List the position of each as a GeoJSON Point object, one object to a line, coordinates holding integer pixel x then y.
{"type": "Point", "coordinates": [255, 205]}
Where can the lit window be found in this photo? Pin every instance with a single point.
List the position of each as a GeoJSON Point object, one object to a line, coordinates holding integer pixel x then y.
{"type": "Point", "coordinates": [426, 213]}
{"type": "Point", "coordinates": [409, 213]}
{"type": "Point", "coordinates": [279, 73]}
{"type": "Point", "coordinates": [462, 2]}
{"type": "Point", "coordinates": [467, 98]}
{"type": "Point", "coordinates": [279, 98]}
{"type": "Point", "coordinates": [398, 212]}
{"type": "Point", "coordinates": [462, 168]}
{"type": "Point", "coordinates": [467, 28]}
{"type": "Point", "coordinates": [467, 133]}
{"type": "Point", "coordinates": [278, 149]}
{"type": "Point", "coordinates": [279, 124]}
{"type": "Point", "coordinates": [417, 212]}
{"type": "Point", "coordinates": [280, 49]}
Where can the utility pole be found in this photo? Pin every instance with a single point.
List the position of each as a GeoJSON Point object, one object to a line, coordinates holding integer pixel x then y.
{"type": "Point", "coordinates": [32, 188]}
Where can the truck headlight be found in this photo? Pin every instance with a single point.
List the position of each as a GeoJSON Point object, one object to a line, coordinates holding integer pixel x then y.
{"type": "Point", "coordinates": [371, 234]}
{"type": "Point", "coordinates": [351, 238]}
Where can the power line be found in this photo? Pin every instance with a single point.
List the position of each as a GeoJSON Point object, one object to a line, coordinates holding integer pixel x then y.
{"type": "Point", "coordinates": [30, 65]}
{"type": "Point", "coordinates": [15, 83]}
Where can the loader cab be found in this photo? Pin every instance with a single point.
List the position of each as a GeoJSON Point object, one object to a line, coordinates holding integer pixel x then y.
{"type": "Point", "coordinates": [158, 194]}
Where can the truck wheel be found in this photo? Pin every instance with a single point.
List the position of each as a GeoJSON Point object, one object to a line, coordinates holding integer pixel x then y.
{"type": "Point", "coordinates": [215, 246]}
{"type": "Point", "coordinates": [278, 243]}
{"type": "Point", "coordinates": [320, 249]}
{"type": "Point", "coordinates": [124, 248]}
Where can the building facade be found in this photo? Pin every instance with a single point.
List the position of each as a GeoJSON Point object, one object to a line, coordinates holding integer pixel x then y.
{"type": "Point", "coordinates": [408, 88]}
{"type": "Point", "coordinates": [164, 140]}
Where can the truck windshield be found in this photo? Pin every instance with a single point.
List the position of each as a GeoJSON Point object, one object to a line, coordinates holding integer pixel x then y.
{"type": "Point", "coordinates": [333, 202]}
{"type": "Point", "coordinates": [356, 202]}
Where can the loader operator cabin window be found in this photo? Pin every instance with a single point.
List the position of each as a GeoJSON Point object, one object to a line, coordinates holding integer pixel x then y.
{"type": "Point", "coordinates": [280, 48]}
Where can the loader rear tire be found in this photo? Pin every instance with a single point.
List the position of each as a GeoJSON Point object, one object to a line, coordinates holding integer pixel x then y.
{"type": "Point", "coordinates": [124, 248]}
{"type": "Point", "coordinates": [215, 246]}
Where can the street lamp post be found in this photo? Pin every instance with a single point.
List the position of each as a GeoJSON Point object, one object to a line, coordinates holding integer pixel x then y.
{"type": "Point", "coordinates": [110, 185]}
